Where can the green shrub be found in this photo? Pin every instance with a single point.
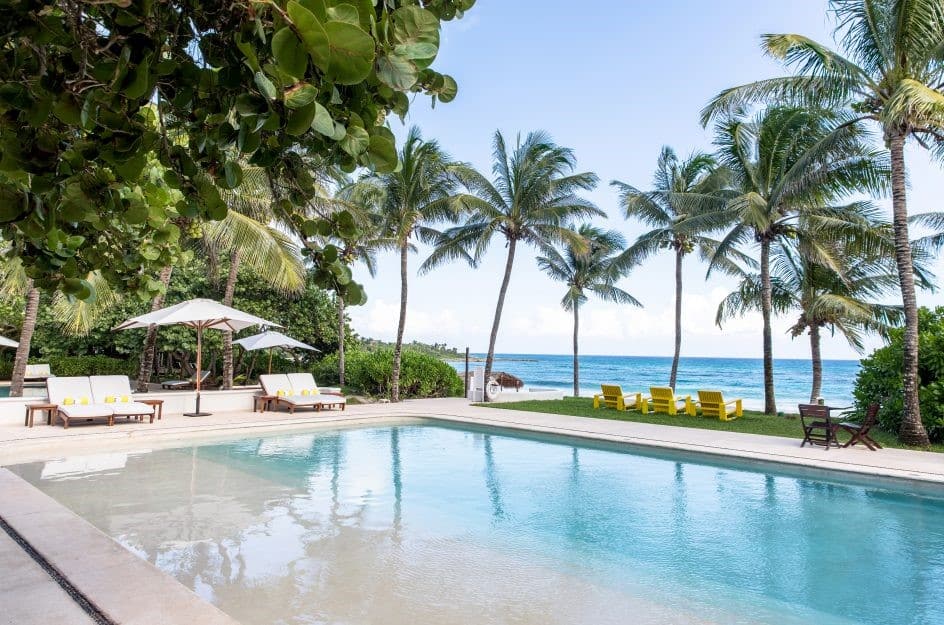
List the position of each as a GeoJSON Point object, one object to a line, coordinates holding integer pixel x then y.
{"type": "Point", "coordinates": [67, 366]}
{"type": "Point", "coordinates": [371, 373]}
{"type": "Point", "coordinates": [879, 378]}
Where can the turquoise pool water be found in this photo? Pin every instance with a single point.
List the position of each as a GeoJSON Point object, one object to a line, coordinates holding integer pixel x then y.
{"type": "Point", "coordinates": [433, 524]}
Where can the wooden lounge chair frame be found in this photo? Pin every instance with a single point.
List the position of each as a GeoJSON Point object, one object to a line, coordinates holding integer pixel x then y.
{"type": "Point", "coordinates": [664, 401]}
{"type": "Point", "coordinates": [818, 427]}
{"type": "Point", "coordinates": [612, 396]}
{"type": "Point", "coordinates": [860, 431]}
{"type": "Point", "coordinates": [712, 404]}
{"type": "Point", "coordinates": [182, 385]}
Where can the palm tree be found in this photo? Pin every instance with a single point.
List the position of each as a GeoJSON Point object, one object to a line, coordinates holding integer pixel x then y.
{"type": "Point", "coordinates": [681, 188]}
{"type": "Point", "coordinates": [891, 73]}
{"type": "Point", "coordinates": [841, 298]}
{"type": "Point", "coordinates": [533, 199]}
{"type": "Point", "coordinates": [146, 364]}
{"type": "Point", "coordinates": [594, 266]}
{"type": "Point", "coordinates": [786, 164]}
{"type": "Point", "coordinates": [15, 283]}
{"type": "Point", "coordinates": [411, 200]}
{"type": "Point", "coordinates": [247, 235]}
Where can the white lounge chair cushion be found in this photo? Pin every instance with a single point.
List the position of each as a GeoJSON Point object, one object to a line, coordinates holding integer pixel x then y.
{"type": "Point", "coordinates": [72, 387]}
{"type": "Point", "coordinates": [302, 382]}
{"type": "Point", "coordinates": [272, 383]}
{"type": "Point", "coordinates": [37, 371]}
{"type": "Point", "coordinates": [116, 386]}
{"type": "Point", "coordinates": [80, 411]}
{"type": "Point", "coordinates": [132, 408]}
{"type": "Point", "coordinates": [313, 400]}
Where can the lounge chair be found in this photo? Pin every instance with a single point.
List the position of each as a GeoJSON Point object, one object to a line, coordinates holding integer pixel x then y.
{"type": "Point", "coordinates": [181, 385]}
{"type": "Point", "coordinates": [663, 401]}
{"type": "Point", "coordinates": [712, 404]}
{"type": "Point", "coordinates": [37, 372]}
{"type": "Point", "coordinates": [115, 391]}
{"type": "Point", "coordinates": [299, 390]}
{"type": "Point", "coordinates": [612, 396]}
{"type": "Point", "coordinates": [74, 400]}
{"type": "Point", "coordinates": [818, 428]}
{"type": "Point", "coordinates": [860, 431]}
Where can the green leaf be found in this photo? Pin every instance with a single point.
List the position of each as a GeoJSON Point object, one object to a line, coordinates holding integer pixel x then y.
{"type": "Point", "coordinates": [300, 95]}
{"type": "Point", "coordinates": [356, 141]}
{"type": "Point", "coordinates": [137, 81]}
{"type": "Point", "coordinates": [396, 71]}
{"type": "Point", "coordinates": [290, 53]}
{"type": "Point", "coordinates": [383, 154]}
{"type": "Point", "coordinates": [233, 174]}
{"type": "Point", "coordinates": [416, 50]}
{"type": "Point", "coordinates": [339, 131]}
{"type": "Point", "coordinates": [417, 30]}
{"type": "Point", "coordinates": [352, 53]}
{"type": "Point", "coordinates": [449, 90]}
{"type": "Point", "coordinates": [299, 121]}
{"type": "Point", "coordinates": [265, 85]}
{"type": "Point", "coordinates": [322, 121]}
{"type": "Point", "coordinates": [249, 52]}
{"type": "Point", "coordinates": [312, 32]}
{"type": "Point", "coordinates": [344, 13]}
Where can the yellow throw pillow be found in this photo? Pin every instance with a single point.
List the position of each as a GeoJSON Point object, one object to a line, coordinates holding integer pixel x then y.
{"type": "Point", "coordinates": [67, 401]}
{"type": "Point", "coordinates": [84, 401]}
{"type": "Point", "coordinates": [305, 392]}
{"type": "Point", "coordinates": [109, 399]}
{"type": "Point", "coordinates": [280, 393]}
{"type": "Point", "coordinates": [314, 391]}
{"type": "Point", "coordinates": [125, 399]}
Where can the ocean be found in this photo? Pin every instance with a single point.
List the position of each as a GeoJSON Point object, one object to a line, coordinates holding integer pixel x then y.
{"type": "Point", "coordinates": [737, 377]}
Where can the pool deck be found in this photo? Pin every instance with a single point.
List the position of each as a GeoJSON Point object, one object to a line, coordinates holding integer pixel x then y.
{"type": "Point", "coordinates": [99, 569]}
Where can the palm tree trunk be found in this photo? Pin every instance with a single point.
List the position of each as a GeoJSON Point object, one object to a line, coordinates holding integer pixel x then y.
{"type": "Point", "coordinates": [150, 340]}
{"type": "Point", "coordinates": [817, 358]}
{"type": "Point", "coordinates": [340, 340]}
{"type": "Point", "coordinates": [576, 360]}
{"type": "Point", "coordinates": [912, 429]}
{"type": "Point", "coordinates": [26, 337]}
{"type": "Point", "coordinates": [770, 403]}
{"type": "Point", "coordinates": [398, 346]}
{"type": "Point", "coordinates": [679, 253]}
{"type": "Point", "coordinates": [490, 358]}
{"type": "Point", "coordinates": [228, 294]}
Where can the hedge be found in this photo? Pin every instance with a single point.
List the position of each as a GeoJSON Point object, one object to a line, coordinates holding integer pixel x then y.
{"type": "Point", "coordinates": [371, 373]}
{"type": "Point", "coordinates": [80, 365]}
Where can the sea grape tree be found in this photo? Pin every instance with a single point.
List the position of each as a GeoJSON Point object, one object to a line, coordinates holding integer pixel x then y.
{"type": "Point", "coordinates": [96, 94]}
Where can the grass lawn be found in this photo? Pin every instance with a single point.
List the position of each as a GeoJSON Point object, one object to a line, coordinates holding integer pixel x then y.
{"type": "Point", "coordinates": [751, 423]}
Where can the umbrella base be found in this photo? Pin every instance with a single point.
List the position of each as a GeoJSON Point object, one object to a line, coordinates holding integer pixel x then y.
{"type": "Point", "coordinates": [197, 414]}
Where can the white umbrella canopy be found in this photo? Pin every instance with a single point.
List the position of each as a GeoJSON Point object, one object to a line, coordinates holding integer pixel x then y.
{"type": "Point", "coordinates": [199, 314]}
{"type": "Point", "coordinates": [5, 342]}
{"type": "Point", "coordinates": [270, 339]}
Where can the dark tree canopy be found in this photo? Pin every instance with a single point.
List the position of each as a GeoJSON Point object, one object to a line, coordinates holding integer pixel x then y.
{"type": "Point", "coordinates": [121, 121]}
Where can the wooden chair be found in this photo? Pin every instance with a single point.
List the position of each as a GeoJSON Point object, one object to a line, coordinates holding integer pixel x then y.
{"type": "Point", "coordinates": [860, 431]}
{"type": "Point", "coordinates": [664, 401]}
{"type": "Point", "coordinates": [818, 428]}
{"type": "Point", "coordinates": [713, 405]}
{"type": "Point", "coordinates": [613, 397]}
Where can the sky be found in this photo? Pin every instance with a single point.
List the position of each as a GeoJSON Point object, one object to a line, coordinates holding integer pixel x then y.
{"type": "Point", "coordinates": [614, 81]}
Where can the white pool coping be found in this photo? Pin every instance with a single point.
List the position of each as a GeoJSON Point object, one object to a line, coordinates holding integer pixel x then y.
{"type": "Point", "coordinates": [100, 568]}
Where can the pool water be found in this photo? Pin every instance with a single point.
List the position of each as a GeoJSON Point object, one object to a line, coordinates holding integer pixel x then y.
{"type": "Point", "coordinates": [435, 524]}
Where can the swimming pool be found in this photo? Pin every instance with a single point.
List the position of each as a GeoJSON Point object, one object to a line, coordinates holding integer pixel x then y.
{"type": "Point", "coordinates": [433, 524]}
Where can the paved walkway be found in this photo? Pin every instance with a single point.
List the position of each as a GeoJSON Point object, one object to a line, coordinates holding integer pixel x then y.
{"type": "Point", "coordinates": [29, 595]}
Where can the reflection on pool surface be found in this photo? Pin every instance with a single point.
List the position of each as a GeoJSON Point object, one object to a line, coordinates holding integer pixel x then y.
{"type": "Point", "coordinates": [431, 524]}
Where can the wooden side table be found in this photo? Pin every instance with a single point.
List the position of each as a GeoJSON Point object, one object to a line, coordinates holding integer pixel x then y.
{"type": "Point", "coordinates": [32, 409]}
{"type": "Point", "coordinates": [157, 404]}
{"type": "Point", "coordinates": [264, 402]}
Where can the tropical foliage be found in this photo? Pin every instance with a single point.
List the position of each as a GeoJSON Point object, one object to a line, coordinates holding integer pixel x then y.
{"type": "Point", "coordinates": [591, 266]}
{"type": "Point", "coordinates": [888, 70]}
{"type": "Point", "coordinates": [371, 373]}
{"type": "Point", "coordinates": [532, 199]}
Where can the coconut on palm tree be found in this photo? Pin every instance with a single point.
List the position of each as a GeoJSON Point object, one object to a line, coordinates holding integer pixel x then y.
{"type": "Point", "coordinates": [531, 199]}
{"type": "Point", "coordinates": [681, 188]}
{"type": "Point", "coordinates": [786, 164]}
{"type": "Point", "coordinates": [591, 268]}
{"type": "Point", "coordinates": [889, 70]}
{"type": "Point", "coordinates": [411, 200]}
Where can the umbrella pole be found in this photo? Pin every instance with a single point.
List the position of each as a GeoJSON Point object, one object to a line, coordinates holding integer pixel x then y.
{"type": "Point", "coordinates": [270, 360]}
{"type": "Point", "coordinates": [197, 412]}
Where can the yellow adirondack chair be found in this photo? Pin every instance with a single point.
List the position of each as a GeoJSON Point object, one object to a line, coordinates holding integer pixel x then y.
{"type": "Point", "coordinates": [664, 401]}
{"type": "Point", "coordinates": [613, 397]}
{"type": "Point", "coordinates": [713, 405]}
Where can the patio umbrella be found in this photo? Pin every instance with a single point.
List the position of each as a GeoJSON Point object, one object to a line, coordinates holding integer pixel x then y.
{"type": "Point", "coordinates": [199, 314]}
{"type": "Point", "coordinates": [270, 339]}
{"type": "Point", "coordinates": [5, 342]}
